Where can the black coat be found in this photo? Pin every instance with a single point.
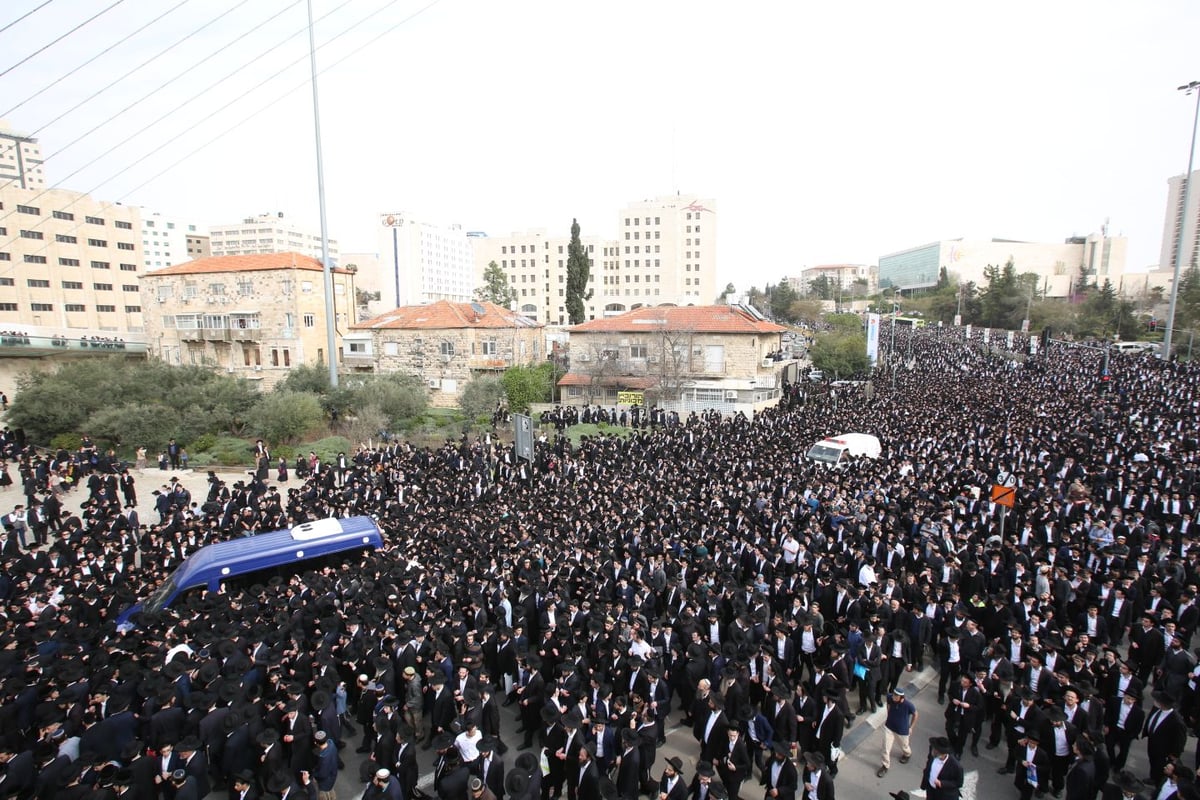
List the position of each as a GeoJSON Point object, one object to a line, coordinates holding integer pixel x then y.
{"type": "Point", "coordinates": [950, 780]}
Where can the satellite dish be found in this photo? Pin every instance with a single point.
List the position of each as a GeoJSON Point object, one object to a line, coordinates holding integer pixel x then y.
{"type": "Point", "coordinates": [478, 309]}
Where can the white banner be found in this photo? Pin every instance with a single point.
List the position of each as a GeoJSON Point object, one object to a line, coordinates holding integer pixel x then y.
{"type": "Point", "coordinates": [873, 337]}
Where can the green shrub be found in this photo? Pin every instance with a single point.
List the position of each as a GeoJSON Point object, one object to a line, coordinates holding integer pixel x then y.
{"type": "Point", "coordinates": [202, 443]}
{"type": "Point", "coordinates": [282, 417]}
{"type": "Point", "coordinates": [66, 441]}
{"type": "Point", "coordinates": [328, 448]}
{"type": "Point", "coordinates": [231, 452]}
{"type": "Point", "coordinates": [230, 458]}
{"type": "Point", "coordinates": [200, 460]}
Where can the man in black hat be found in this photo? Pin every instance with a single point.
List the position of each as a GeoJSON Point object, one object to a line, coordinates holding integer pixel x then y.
{"type": "Point", "coordinates": [735, 765]}
{"type": "Point", "coordinates": [587, 784]}
{"type": "Point", "coordinates": [830, 727]}
{"type": "Point", "coordinates": [489, 766]}
{"type": "Point", "coordinates": [243, 786]}
{"type": "Point", "coordinates": [816, 777]}
{"type": "Point", "coordinates": [1123, 723]}
{"type": "Point", "coordinates": [1124, 786]}
{"type": "Point", "coordinates": [531, 695]}
{"type": "Point", "coordinates": [1032, 768]}
{"type": "Point", "coordinates": [1081, 776]}
{"type": "Point", "coordinates": [942, 777]}
{"type": "Point", "coordinates": [780, 777]}
{"type": "Point", "coordinates": [702, 782]}
{"type": "Point", "coordinates": [1165, 733]}
{"type": "Point", "coordinates": [629, 766]}
{"type": "Point", "coordinates": [671, 785]}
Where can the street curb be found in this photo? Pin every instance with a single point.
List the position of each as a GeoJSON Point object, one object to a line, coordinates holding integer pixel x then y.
{"type": "Point", "coordinates": [874, 722]}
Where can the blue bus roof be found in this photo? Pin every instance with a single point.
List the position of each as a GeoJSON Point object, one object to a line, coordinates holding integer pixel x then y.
{"type": "Point", "coordinates": [212, 564]}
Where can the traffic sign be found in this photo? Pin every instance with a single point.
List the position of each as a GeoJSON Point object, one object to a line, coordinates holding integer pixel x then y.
{"type": "Point", "coordinates": [1004, 495]}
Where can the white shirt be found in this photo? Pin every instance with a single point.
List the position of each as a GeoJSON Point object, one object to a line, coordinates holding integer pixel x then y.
{"type": "Point", "coordinates": [935, 769]}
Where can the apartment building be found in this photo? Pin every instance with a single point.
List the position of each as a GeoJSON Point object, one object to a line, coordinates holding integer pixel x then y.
{"type": "Point", "coordinates": [254, 316]}
{"type": "Point", "coordinates": [1174, 218]}
{"type": "Point", "coordinates": [168, 240]}
{"type": "Point", "coordinates": [664, 253]}
{"type": "Point", "coordinates": [69, 262]}
{"type": "Point", "coordinates": [269, 233]}
{"type": "Point", "coordinates": [422, 262]}
{"type": "Point", "coordinates": [20, 160]}
{"type": "Point", "coordinates": [536, 265]}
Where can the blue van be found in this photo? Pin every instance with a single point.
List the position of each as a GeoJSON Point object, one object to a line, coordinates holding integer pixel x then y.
{"type": "Point", "coordinates": [288, 550]}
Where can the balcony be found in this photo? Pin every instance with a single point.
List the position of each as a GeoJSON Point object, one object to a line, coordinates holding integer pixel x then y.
{"type": "Point", "coordinates": [490, 362]}
{"type": "Point", "coordinates": [217, 335]}
{"type": "Point", "coordinates": [358, 359]}
{"type": "Point", "coordinates": [247, 334]}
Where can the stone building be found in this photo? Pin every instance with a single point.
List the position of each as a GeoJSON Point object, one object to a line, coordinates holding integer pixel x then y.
{"type": "Point", "coordinates": [445, 344]}
{"type": "Point", "coordinates": [686, 358]}
{"type": "Point", "coordinates": [254, 316]}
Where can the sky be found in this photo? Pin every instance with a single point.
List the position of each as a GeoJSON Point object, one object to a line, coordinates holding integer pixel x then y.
{"type": "Point", "coordinates": [826, 132]}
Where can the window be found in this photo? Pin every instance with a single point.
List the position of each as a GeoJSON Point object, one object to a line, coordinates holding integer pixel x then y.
{"type": "Point", "coordinates": [286, 285]}
{"type": "Point", "coordinates": [216, 288]}
{"type": "Point", "coordinates": [123, 225]}
{"type": "Point", "coordinates": [358, 348]}
{"type": "Point", "coordinates": [5, 257]}
{"type": "Point", "coordinates": [391, 348]}
{"type": "Point", "coordinates": [129, 287]}
{"type": "Point", "coordinates": [67, 215]}
{"type": "Point", "coordinates": [189, 290]}
{"type": "Point", "coordinates": [35, 259]}
{"type": "Point", "coordinates": [34, 210]}
{"type": "Point", "coordinates": [8, 306]}
{"type": "Point", "coordinates": [125, 246]}
{"type": "Point", "coordinates": [287, 358]}
{"type": "Point", "coordinates": [245, 288]}
{"type": "Point", "coordinates": [32, 235]}
{"type": "Point", "coordinates": [100, 265]}
{"type": "Point", "coordinates": [164, 292]}
{"type": "Point", "coordinates": [106, 309]}
{"type": "Point", "coordinates": [102, 287]}
{"type": "Point", "coordinates": [186, 322]}
{"type": "Point", "coordinates": [38, 283]}
{"type": "Point", "coordinates": [309, 320]}
{"type": "Point", "coordinates": [129, 267]}
{"type": "Point", "coordinates": [72, 284]}
{"type": "Point", "coordinates": [306, 287]}
{"type": "Point", "coordinates": [62, 237]}
{"type": "Point", "coordinates": [7, 282]}
{"type": "Point", "coordinates": [94, 220]}
{"type": "Point", "coordinates": [637, 351]}
{"type": "Point", "coordinates": [41, 306]}
{"type": "Point", "coordinates": [97, 242]}
{"type": "Point", "coordinates": [447, 348]}
{"type": "Point", "coordinates": [133, 309]}
{"type": "Point", "coordinates": [488, 348]}
{"type": "Point", "coordinates": [75, 307]}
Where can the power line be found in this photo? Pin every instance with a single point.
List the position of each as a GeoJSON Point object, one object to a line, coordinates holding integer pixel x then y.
{"type": "Point", "coordinates": [163, 85]}
{"type": "Point", "coordinates": [283, 96]}
{"type": "Point", "coordinates": [46, 47]}
{"type": "Point", "coordinates": [26, 14]}
{"type": "Point", "coordinates": [103, 52]}
{"type": "Point", "coordinates": [144, 97]}
{"type": "Point", "coordinates": [236, 125]}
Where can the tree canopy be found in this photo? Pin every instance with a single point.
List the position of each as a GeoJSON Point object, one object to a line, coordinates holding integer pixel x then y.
{"type": "Point", "coordinates": [578, 267]}
{"type": "Point", "coordinates": [496, 287]}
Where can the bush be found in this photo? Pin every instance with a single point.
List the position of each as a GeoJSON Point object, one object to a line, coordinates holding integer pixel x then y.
{"type": "Point", "coordinates": [229, 451]}
{"type": "Point", "coordinates": [328, 448]}
{"type": "Point", "coordinates": [66, 441]}
{"type": "Point", "coordinates": [202, 443]}
{"type": "Point", "coordinates": [135, 423]}
{"type": "Point", "coordinates": [399, 397]}
{"type": "Point", "coordinates": [200, 460]}
{"type": "Point", "coordinates": [480, 396]}
{"type": "Point", "coordinates": [282, 417]}
{"type": "Point", "coordinates": [526, 385]}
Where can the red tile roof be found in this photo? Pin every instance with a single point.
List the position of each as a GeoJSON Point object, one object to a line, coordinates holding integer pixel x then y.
{"type": "Point", "coordinates": [444, 314]}
{"type": "Point", "coordinates": [700, 319]}
{"type": "Point", "coordinates": [622, 381]}
{"type": "Point", "coordinates": [260, 262]}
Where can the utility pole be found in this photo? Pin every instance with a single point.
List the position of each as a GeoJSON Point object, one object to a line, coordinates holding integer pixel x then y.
{"type": "Point", "coordinates": [1188, 88]}
{"type": "Point", "coordinates": [327, 267]}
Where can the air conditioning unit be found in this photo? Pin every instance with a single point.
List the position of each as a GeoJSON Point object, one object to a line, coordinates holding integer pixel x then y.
{"type": "Point", "coordinates": [583, 357]}
{"type": "Point", "coordinates": [730, 394]}
{"type": "Point", "coordinates": [258, 368]}
{"type": "Point", "coordinates": [653, 359]}
{"type": "Point", "coordinates": [432, 383]}
{"type": "Point", "coordinates": [445, 358]}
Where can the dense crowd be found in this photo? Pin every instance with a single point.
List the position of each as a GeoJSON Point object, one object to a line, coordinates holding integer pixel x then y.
{"type": "Point", "coordinates": [699, 567]}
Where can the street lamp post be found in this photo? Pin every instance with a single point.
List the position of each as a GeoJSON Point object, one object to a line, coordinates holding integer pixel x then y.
{"type": "Point", "coordinates": [1188, 88]}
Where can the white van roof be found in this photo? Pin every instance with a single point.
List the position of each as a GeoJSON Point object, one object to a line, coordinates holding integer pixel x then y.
{"type": "Point", "coordinates": [858, 444]}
